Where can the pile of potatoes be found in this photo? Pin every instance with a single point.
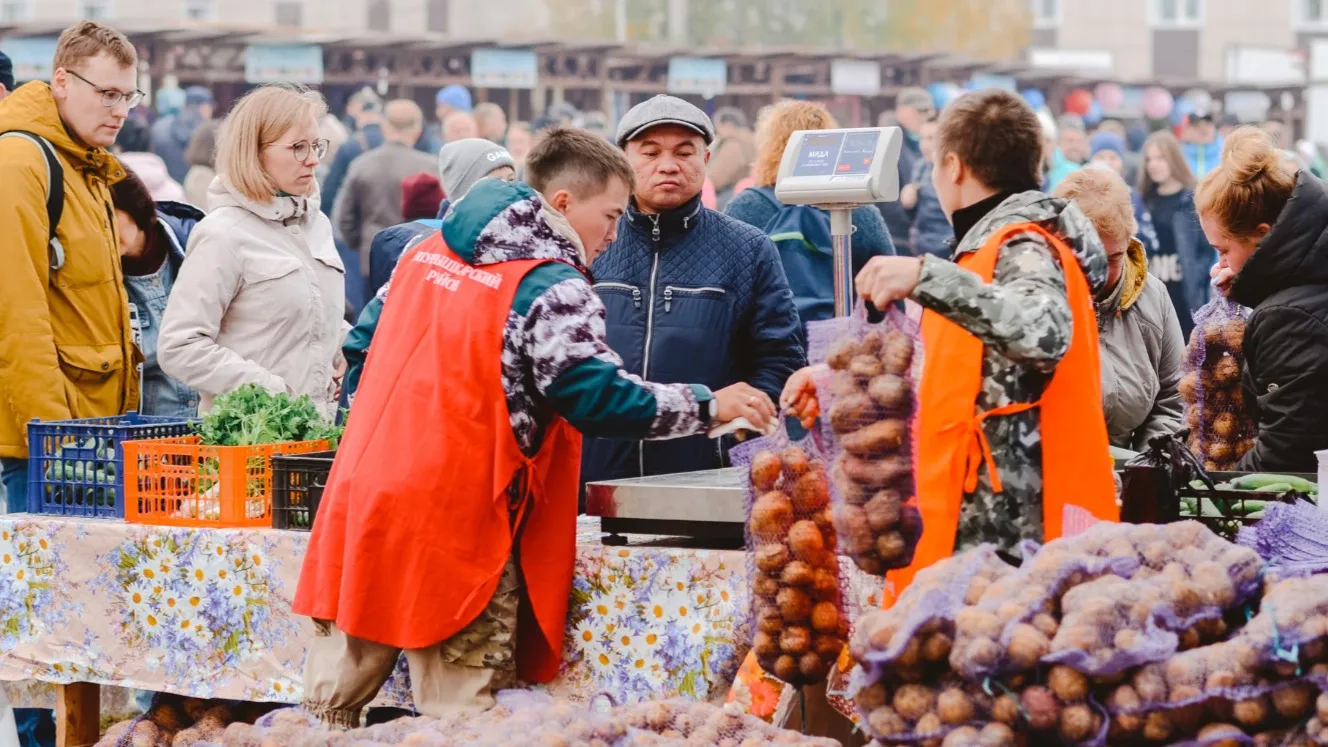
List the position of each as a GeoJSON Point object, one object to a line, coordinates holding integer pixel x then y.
{"type": "Point", "coordinates": [869, 395]}
{"type": "Point", "coordinates": [1221, 431]}
{"type": "Point", "coordinates": [177, 721]}
{"type": "Point", "coordinates": [798, 606]}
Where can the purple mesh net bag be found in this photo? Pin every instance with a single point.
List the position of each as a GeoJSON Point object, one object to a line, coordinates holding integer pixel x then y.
{"type": "Point", "coordinates": [1293, 537]}
{"type": "Point", "coordinates": [867, 395]}
{"type": "Point", "coordinates": [1221, 430]}
{"type": "Point", "coordinates": [797, 597]}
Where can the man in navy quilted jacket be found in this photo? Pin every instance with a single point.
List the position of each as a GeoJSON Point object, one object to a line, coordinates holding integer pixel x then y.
{"type": "Point", "coordinates": [691, 294]}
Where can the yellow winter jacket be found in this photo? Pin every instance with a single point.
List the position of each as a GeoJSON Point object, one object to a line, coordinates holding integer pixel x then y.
{"type": "Point", "coordinates": [66, 346]}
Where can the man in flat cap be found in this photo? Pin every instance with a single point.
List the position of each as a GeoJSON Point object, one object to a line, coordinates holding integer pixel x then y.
{"type": "Point", "coordinates": [691, 294]}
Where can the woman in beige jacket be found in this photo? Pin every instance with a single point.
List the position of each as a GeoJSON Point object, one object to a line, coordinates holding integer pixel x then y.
{"type": "Point", "coordinates": [261, 293]}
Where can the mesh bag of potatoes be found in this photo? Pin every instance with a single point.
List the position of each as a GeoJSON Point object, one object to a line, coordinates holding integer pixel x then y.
{"type": "Point", "coordinates": [911, 641]}
{"type": "Point", "coordinates": [867, 397]}
{"type": "Point", "coordinates": [1011, 627]}
{"type": "Point", "coordinates": [1187, 583]}
{"type": "Point", "coordinates": [1221, 430]}
{"type": "Point", "coordinates": [797, 601]}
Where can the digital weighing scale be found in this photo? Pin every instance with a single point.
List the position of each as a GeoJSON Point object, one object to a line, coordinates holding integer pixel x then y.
{"type": "Point", "coordinates": [837, 171]}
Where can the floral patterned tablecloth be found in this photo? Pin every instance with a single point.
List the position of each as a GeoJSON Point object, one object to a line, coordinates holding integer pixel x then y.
{"type": "Point", "coordinates": [206, 612]}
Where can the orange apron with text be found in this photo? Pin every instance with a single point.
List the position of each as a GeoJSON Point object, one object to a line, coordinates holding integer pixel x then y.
{"type": "Point", "coordinates": [952, 445]}
{"type": "Point", "coordinates": [416, 522]}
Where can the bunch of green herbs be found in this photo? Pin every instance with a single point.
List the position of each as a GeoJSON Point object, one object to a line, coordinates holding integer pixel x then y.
{"type": "Point", "coordinates": [251, 415]}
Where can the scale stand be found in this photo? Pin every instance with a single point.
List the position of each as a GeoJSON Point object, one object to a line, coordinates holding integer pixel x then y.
{"type": "Point", "coordinates": [841, 233]}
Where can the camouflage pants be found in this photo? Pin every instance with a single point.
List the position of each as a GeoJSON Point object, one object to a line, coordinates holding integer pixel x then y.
{"type": "Point", "coordinates": [343, 674]}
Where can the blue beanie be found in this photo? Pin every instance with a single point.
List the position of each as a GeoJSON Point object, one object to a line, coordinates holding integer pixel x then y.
{"type": "Point", "coordinates": [1137, 135]}
{"type": "Point", "coordinates": [455, 96]}
{"type": "Point", "coordinates": [1107, 141]}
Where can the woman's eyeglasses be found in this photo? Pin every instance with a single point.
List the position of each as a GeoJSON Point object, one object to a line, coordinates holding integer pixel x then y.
{"type": "Point", "coordinates": [302, 149]}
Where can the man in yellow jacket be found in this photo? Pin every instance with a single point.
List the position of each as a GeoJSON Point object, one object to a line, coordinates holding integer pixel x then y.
{"type": "Point", "coordinates": [66, 345]}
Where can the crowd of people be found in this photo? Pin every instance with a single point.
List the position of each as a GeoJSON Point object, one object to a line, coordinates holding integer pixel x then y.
{"type": "Point", "coordinates": [490, 291]}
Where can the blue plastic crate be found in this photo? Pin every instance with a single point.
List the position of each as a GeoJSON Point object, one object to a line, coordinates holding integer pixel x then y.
{"type": "Point", "coordinates": [76, 467]}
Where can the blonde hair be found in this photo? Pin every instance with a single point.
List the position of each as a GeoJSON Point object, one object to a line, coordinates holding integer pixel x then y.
{"type": "Point", "coordinates": [1250, 186]}
{"type": "Point", "coordinates": [258, 120]}
{"type": "Point", "coordinates": [87, 39]}
{"type": "Point", "coordinates": [1170, 148]}
{"type": "Point", "coordinates": [1104, 197]}
{"type": "Point", "coordinates": [773, 131]}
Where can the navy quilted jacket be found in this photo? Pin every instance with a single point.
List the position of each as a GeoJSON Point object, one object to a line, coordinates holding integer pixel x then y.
{"type": "Point", "coordinates": [693, 296]}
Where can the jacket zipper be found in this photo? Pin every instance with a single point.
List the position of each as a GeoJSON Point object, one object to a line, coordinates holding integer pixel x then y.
{"type": "Point", "coordinates": [669, 290]}
{"type": "Point", "coordinates": [650, 331]}
{"type": "Point", "coordinates": [636, 292]}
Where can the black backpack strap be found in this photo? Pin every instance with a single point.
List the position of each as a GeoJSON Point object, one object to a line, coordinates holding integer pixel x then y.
{"type": "Point", "coordinates": [55, 193]}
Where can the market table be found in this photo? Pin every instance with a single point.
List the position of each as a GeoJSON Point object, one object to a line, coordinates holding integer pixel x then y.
{"type": "Point", "coordinates": [206, 613]}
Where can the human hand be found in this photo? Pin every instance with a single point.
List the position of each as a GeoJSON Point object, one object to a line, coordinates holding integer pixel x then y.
{"type": "Point", "coordinates": [744, 401]}
{"type": "Point", "coordinates": [800, 395]}
{"type": "Point", "coordinates": [338, 375]}
{"type": "Point", "coordinates": [888, 279]}
{"type": "Point", "coordinates": [1222, 277]}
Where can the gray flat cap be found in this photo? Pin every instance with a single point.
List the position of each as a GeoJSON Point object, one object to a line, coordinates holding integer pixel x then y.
{"type": "Point", "coordinates": [662, 110]}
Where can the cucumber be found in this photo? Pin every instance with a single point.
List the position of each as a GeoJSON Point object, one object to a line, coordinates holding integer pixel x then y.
{"type": "Point", "coordinates": [1256, 481]}
{"type": "Point", "coordinates": [1277, 487]}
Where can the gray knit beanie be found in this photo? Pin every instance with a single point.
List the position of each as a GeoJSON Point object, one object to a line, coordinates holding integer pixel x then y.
{"type": "Point", "coordinates": [461, 163]}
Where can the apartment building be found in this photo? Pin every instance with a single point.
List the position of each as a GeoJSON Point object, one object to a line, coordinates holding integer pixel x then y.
{"type": "Point", "coordinates": [463, 18]}
{"type": "Point", "coordinates": [1188, 39]}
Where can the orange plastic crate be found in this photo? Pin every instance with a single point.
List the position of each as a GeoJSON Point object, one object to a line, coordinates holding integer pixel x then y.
{"type": "Point", "coordinates": [180, 482]}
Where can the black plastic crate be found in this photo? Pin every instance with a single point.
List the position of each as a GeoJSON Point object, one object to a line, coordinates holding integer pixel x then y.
{"type": "Point", "coordinates": [297, 488]}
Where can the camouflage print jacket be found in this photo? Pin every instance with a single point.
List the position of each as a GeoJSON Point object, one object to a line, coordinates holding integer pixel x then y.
{"type": "Point", "coordinates": [1023, 318]}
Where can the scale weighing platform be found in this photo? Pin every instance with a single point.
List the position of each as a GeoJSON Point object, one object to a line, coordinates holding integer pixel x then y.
{"type": "Point", "coordinates": [835, 170]}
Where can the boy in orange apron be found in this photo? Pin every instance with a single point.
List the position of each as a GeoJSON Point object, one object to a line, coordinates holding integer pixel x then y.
{"type": "Point", "coordinates": [448, 525]}
{"type": "Point", "coordinates": [1010, 425]}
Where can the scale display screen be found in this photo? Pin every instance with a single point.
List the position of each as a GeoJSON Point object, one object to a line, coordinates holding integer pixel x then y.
{"type": "Point", "coordinates": [855, 166]}
{"type": "Point", "coordinates": [836, 154]}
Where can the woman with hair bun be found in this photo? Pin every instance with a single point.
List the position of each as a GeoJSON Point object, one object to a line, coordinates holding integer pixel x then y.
{"type": "Point", "coordinates": [1269, 224]}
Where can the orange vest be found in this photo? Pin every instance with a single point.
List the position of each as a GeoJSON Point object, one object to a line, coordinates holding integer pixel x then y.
{"type": "Point", "coordinates": [1076, 460]}
{"type": "Point", "coordinates": [416, 524]}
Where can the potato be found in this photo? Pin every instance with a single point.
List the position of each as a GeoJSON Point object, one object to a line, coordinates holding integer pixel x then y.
{"type": "Point", "coordinates": [966, 736]}
{"type": "Point", "coordinates": [1078, 722]}
{"type": "Point", "coordinates": [828, 647]}
{"type": "Point", "coordinates": [930, 723]}
{"type": "Point", "coordinates": [772, 558]}
{"type": "Point", "coordinates": [853, 412]}
{"type": "Point", "coordinates": [890, 392]}
{"type": "Point", "coordinates": [765, 645]}
{"type": "Point", "coordinates": [892, 547]}
{"type": "Point", "coordinates": [786, 669]}
{"type": "Point", "coordinates": [1233, 336]}
{"type": "Point", "coordinates": [897, 354]}
{"type": "Point", "coordinates": [972, 622]}
{"type": "Point", "coordinates": [878, 439]}
{"type": "Point", "coordinates": [1295, 702]}
{"type": "Point", "coordinates": [771, 515]}
{"type": "Point", "coordinates": [1005, 710]}
{"type": "Point", "coordinates": [955, 707]}
{"type": "Point", "coordinates": [996, 735]}
{"type": "Point", "coordinates": [765, 587]}
{"type": "Point", "coordinates": [1124, 698]}
{"type": "Point", "coordinates": [1157, 726]}
{"type": "Point", "coordinates": [825, 618]}
{"type": "Point", "coordinates": [811, 493]}
{"type": "Point", "coordinates": [854, 530]}
{"type": "Point", "coordinates": [795, 640]}
{"type": "Point", "coordinates": [1189, 387]}
{"type": "Point", "coordinates": [765, 471]}
{"type": "Point", "coordinates": [1027, 646]}
{"type": "Point", "coordinates": [825, 585]}
{"type": "Point", "coordinates": [794, 605]}
{"type": "Point", "coordinates": [814, 667]}
{"type": "Point", "coordinates": [1067, 684]}
{"type": "Point", "coordinates": [795, 461]}
{"type": "Point", "coordinates": [769, 621]}
{"type": "Point", "coordinates": [936, 648]}
{"type": "Point", "coordinates": [842, 355]}
{"type": "Point", "coordinates": [1040, 705]}
{"type": "Point", "coordinates": [914, 701]}
{"type": "Point", "coordinates": [865, 366]}
{"type": "Point", "coordinates": [1321, 707]}
{"type": "Point", "coordinates": [805, 539]}
{"type": "Point", "coordinates": [1252, 712]}
{"type": "Point", "coordinates": [883, 510]}
{"type": "Point", "coordinates": [871, 697]}
{"type": "Point", "coordinates": [1227, 372]}
{"type": "Point", "coordinates": [877, 473]}
{"type": "Point", "coordinates": [885, 722]}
